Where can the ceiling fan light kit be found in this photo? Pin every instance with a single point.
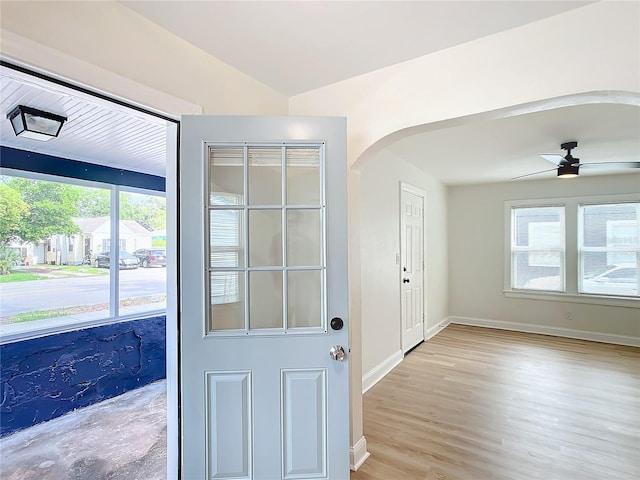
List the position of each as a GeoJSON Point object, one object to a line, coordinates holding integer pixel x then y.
{"type": "Point", "coordinates": [568, 171]}
{"type": "Point", "coordinates": [569, 166]}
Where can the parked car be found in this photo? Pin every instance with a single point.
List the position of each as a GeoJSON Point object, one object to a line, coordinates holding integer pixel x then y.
{"type": "Point", "coordinates": [127, 261]}
{"type": "Point", "coordinates": [616, 280]}
{"type": "Point", "coordinates": [150, 257]}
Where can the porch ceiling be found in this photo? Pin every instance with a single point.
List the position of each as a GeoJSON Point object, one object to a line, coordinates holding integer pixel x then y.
{"type": "Point", "coordinates": [96, 131]}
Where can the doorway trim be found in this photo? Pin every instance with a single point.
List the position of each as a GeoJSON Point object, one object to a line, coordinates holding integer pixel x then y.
{"type": "Point", "coordinates": [36, 55]}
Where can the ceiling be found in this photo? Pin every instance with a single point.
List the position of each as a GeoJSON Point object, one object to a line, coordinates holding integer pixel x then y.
{"type": "Point", "coordinates": [501, 149]}
{"type": "Point", "coordinates": [297, 46]}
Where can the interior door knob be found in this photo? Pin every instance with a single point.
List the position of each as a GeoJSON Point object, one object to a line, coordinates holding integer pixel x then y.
{"type": "Point", "coordinates": [337, 353]}
{"type": "Point", "coordinates": [405, 280]}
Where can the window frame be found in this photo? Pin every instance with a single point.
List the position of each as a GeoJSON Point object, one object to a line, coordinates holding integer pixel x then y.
{"type": "Point", "coordinates": [8, 334]}
{"type": "Point", "coordinates": [572, 270]}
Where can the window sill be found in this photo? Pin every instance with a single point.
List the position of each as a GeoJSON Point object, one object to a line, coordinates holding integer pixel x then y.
{"type": "Point", "coordinates": [14, 332]}
{"type": "Point", "coordinates": [574, 298]}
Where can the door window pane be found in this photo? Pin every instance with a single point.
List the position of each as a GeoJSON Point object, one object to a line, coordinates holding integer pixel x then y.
{"type": "Point", "coordinates": [265, 299]}
{"type": "Point", "coordinates": [225, 238]}
{"type": "Point", "coordinates": [265, 176]}
{"type": "Point", "coordinates": [303, 176]}
{"type": "Point", "coordinates": [265, 238]}
{"type": "Point", "coordinates": [227, 300]}
{"type": "Point", "coordinates": [303, 238]}
{"type": "Point", "coordinates": [304, 290]}
{"type": "Point", "coordinates": [226, 175]}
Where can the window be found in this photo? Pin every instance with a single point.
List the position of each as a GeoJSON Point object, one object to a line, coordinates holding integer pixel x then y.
{"type": "Point", "coordinates": [537, 253]}
{"type": "Point", "coordinates": [609, 249]}
{"type": "Point", "coordinates": [582, 249]}
{"type": "Point", "coordinates": [63, 229]}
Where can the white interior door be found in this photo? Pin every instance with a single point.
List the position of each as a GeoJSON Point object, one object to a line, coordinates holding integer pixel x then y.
{"type": "Point", "coordinates": [263, 275]}
{"type": "Point", "coordinates": [412, 266]}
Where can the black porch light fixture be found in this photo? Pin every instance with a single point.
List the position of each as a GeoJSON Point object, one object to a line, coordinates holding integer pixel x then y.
{"type": "Point", "coordinates": [32, 123]}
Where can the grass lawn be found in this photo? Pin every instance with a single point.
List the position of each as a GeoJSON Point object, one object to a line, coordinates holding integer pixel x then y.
{"type": "Point", "coordinates": [18, 276]}
{"type": "Point", "coordinates": [67, 311]}
{"type": "Point", "coordinates": [41, 272]}
{"type": "Point", "coordinates": [73, 269]}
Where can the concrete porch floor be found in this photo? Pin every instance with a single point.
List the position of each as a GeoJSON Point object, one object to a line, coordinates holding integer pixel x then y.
{"type": "Point", "coordinates": [123, 438]}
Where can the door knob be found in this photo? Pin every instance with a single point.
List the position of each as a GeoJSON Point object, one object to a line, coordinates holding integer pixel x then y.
{"type": "Point", "coordinates": [405, 280]}
{"type": "Point", "coordinates": [337, 353]}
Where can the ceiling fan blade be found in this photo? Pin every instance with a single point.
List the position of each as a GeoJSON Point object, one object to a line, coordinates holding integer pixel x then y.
{"type": "Point", "coordinates": [616, 165]}
{"type": "Point", "coordinates": [554, 158]}
{"type": "Point", "coordinates": [535, 173]}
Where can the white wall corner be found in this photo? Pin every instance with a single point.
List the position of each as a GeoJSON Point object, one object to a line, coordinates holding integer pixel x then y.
{"type": "Point", "coordinates": [433, 331]}
{"type": "Point", "coordinates": [548, 330]}
{"type": "Point", "coordinates": [378, 372]}
{"type": "Point", "coordinates": [358, 454]}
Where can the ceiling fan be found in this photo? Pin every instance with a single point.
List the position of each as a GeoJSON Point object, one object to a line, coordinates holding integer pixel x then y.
{"type": "Point", "coordinates": [568, 166]}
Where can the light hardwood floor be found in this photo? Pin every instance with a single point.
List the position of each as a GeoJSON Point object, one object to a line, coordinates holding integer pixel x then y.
{"type": "Point", "coordinates": [481, 404]}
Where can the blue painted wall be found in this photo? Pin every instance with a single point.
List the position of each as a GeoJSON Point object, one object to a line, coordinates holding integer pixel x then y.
{"type": "Point", "coordinates": [46, 377]}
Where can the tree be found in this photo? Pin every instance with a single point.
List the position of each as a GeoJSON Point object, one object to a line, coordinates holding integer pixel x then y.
{"type": "Point", "coordinates": [93, 202]}
{"type": "Point", "coordinates": [51, 208]}
{"type": "Point", "coordinates": [34, 210]}
{"type": "Point", "coordinates": [12, 212]}
{"type": "Point", "coordinates": [149, 211]}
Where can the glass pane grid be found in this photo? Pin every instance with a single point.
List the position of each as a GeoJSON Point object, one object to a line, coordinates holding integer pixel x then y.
{"type": "Point", "coordinates": [226, 179]}
{"type": "Point", "coordinates": [265, 175]}
{"type": "Point", "coordinates": [268, 265]}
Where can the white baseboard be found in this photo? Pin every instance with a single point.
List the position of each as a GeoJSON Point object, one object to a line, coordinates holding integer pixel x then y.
{"type": "Point", "coordinates": [547, 330]}
{"type": "Point", "coordinates": [433, 331]}
{"type": "Point", "coordinates": [358, 454]}
{"type": "Point", "coordinates": [376, 374]}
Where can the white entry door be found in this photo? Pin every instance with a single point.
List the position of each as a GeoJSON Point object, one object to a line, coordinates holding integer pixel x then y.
{"type": "Point", "coordinates": [263, 298]}
{"type": "Point", "coordinates": [412, 266]}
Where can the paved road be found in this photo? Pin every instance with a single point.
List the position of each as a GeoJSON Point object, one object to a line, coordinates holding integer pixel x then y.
{"type": "Point", "coordinates": [34, 295]}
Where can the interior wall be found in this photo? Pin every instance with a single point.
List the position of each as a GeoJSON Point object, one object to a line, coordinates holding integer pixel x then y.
{"type": "Point", "coordinates": [380, 244]}
{"type": "Point", "coordinates": [115, 43]}
{"type": "Point", "coordinates": [476, 221]}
